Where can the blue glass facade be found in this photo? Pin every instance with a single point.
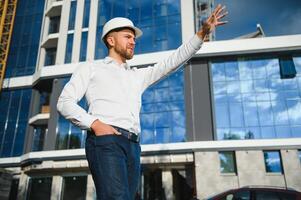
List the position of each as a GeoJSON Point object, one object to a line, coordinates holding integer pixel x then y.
{"type": "Point", "coordinates": [25, 38]}
{"type": "Point", "coordinates": [69, 136]}
{"type": "Point", "coordinates": [163, 111]}
{"type": "Point", "coordinates": [69, 47]}
{"type": "Point", "coordinates": [160, 22]}
{"type": "Point", "coordinates": [83, 46]}
{"type": "Point", "coordinates": [86, 14]}
{"type": "Point", "coordinates": [252, 101]}
{"type": "Point", "coordinates": [72, 15]}
{"type": "Point", "coordinates": [13, 121]}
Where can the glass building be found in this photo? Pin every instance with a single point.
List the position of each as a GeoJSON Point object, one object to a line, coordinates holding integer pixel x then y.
{"type": "Point", "coordinates": [228, 113]}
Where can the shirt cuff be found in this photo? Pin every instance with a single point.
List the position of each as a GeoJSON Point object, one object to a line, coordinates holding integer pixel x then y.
{"type": "Point", "coordinates": [88, 120]}
{"type": "Point", "coordinates": [196, 42]}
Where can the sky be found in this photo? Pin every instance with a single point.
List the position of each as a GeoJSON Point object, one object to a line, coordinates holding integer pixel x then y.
{"type": "Point", "coordinates": [277, 17]}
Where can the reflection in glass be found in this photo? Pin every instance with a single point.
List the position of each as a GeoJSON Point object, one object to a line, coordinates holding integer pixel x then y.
{"type": "Point", "coordinates": [272, 161]}
{"type": "Point", "coordinates": [227, 162]}
{"type": "Point", "coordinates": [68, 135]}
{"type": "Point", "coordinates": [160, 23]}
{"type": "Point", "coordinates": [249, 95]}
{"type": "Point", "coordinates": [162, 114]}
{"type": "Point", "coordinates": [24, 49]}
{"type": "Point", "coordinates": [13, 121]}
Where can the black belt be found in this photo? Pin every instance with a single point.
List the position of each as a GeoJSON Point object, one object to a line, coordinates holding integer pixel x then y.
{"type": "Point", "coordinates": [129, 135]}
{"type": "Point", "coordinates": [125, 133]}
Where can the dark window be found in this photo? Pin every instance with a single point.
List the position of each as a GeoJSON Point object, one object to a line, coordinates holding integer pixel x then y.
{"type": "Point", "coordinates": [38, 138]}
{"type": "Point", "coordinates": [72, 15]}
{"type": "Point", "coordinates": [242, 195]}
{"type": "Point", "coordinates": [86, 14]}
{"type": "Point", "coordinates": [266, 195]}
{"type": "Point", "coordinates": [227, 162]}
{"type": "Point", "coordinates": [69, 47]}
{"type": "Point", "coordinates": [272, 161]}
{"type": "Point", "coordinates": [74, 187]}
{"type": "Point", "coordinates": [54, 24]}
{"type": "Point", "coordinates": [83, 46]}
{"type": "Point", "coordinates": [39, 188]}
{"type": "Point", "coordinates": [50, 56]}
{"type": "Point", "coordinates": [14, 189]}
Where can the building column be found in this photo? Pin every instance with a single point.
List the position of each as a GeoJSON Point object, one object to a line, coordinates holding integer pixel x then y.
{"type": "Point", "coordinates": [167, 183]}
{"type": "Point", "coordinates": [198, 101]}
{"type": "Point", "coordinates": [56, 187]}
{"type": "Point", "coordinates": [91, 193]}
{"type": "Point", "coordinates": [22, 189]}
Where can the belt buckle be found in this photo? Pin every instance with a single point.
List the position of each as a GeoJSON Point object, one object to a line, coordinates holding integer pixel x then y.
{"type": "Point", "coordinates": [129, 136]}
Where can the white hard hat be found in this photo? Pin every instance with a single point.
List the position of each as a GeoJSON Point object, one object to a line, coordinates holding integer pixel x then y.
{"type": "Point", "coordinates": [119, 22]}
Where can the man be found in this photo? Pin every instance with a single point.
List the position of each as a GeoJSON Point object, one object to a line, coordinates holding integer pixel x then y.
{"type": "Point", "coordinates": [113, 91]}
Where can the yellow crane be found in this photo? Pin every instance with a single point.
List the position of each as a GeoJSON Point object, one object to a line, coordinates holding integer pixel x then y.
{"type": "Point", "coordinates": [7, 12]}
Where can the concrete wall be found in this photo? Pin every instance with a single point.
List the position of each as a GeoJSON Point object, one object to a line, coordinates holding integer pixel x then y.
{"type": "Point", "coordinates": [250, 171]}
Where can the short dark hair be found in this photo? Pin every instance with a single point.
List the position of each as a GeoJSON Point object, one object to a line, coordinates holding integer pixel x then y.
{"type": "Point", "coordinates": [115, 30]}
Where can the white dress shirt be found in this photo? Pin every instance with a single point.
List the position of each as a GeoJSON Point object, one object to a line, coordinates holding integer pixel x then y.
{"type": "Point", "coordinates": [113, 92]}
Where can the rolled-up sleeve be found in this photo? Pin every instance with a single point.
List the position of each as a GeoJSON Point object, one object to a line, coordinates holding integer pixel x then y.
{"type": "Point", "coordinates": [72, 93]}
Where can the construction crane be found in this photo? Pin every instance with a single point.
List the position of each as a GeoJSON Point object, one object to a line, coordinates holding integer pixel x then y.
{"type": "Point", "coordinates": [7, 12]}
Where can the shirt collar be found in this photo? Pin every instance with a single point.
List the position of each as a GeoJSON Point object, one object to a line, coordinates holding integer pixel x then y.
{"type": "Point", "coordinates": [109, 60]}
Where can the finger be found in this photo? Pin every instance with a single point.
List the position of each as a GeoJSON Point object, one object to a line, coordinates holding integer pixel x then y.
{"type": "Point", "coordinates": [218, 7]}
{"type": "Point", "coordinates": [116, 132]}
{"type": "Point", "coordinates": [220, 10]}
{"type": "Point", "coordinates": [222, 16]}
{"type": "Point", "coordinates": [221, 23]}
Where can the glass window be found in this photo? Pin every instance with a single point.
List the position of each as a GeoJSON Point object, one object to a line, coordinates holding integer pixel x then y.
{"type": "Point", "coordinates": [266, 195]}
{"type": "Point", "coordinates": [70, 136]}
{"type": "Point", "coordinates": [86, 14]}
{"type": "Point", "coordinates": [250, 95]}
{"type": "Point", "coordinates": [13, 121]}
{"type": "Point", "coordinates": [69, 47]}
{"type": "Point", "coordinates": [25, 40]}
{"type": "Point", "coordinates": [14, 189]}
{"type": "Point", "coordinates": [299, 153]}
{"type": "Point", "coordinates": [159, 21]}
{"type": "Point", "coordinates": [227, 162]}
{"type": "Point", "coordinates": [38, 138]}
{"type": "Point", "coordinates": [72, 15]}
{"type": "Point", "coordinates": [74, 187]}
{"type": "Point", "coordinates": [39, 188]}
{"type": "Point", "coordinates": [50, 56]}
{"type": "Point", "coordinates": [83, 46]}
{"type": "Point", "coordinates": [54, 24]}
{"type": "Point", "coordinates": [163, 112]}
{"type": "Point", "coordinates": [272, 160]}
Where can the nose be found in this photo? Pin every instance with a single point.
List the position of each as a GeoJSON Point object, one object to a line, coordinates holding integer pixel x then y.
{"type": "Point", "coordinates": [133, 41]}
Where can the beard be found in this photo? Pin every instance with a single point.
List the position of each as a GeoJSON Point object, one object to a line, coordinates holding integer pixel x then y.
{"type": "Point", "coordinates": [123, 52]}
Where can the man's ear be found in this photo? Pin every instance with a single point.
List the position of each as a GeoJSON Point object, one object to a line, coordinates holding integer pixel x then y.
{"type": "Point", "coordinates": [110, 40]}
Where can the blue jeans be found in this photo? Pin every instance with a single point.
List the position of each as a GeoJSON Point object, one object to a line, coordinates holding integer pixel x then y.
{"type": "Point", "coordinates": [114, 162]}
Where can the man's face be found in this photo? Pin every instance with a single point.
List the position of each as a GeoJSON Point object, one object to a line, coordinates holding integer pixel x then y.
{"type": "Point", "coordinates": [124, 43]}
